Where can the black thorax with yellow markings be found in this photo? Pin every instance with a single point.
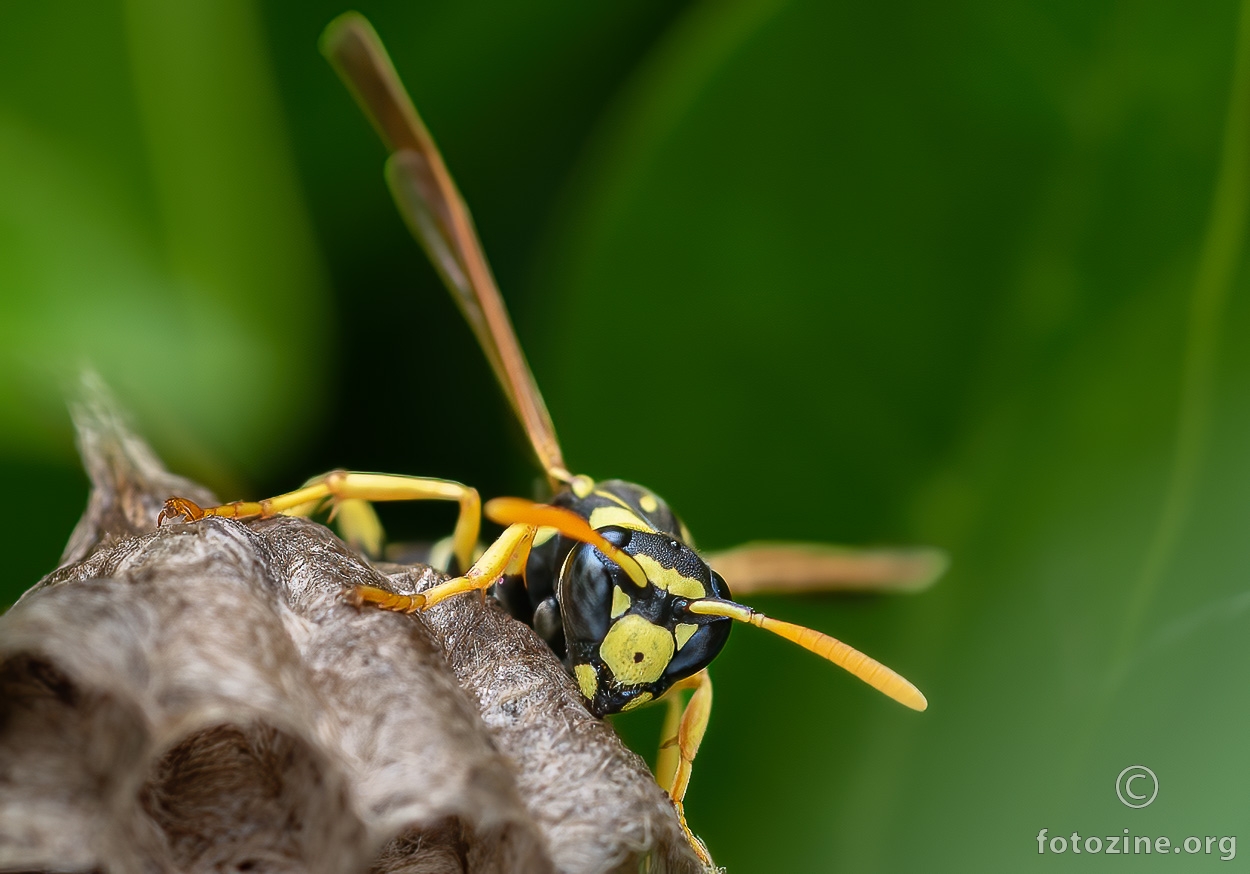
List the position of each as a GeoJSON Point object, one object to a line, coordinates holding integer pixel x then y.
{"type": "Point", "coordinates": [624, 644]}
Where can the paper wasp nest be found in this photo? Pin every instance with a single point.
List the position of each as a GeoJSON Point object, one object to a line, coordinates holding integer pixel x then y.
{"type": "Point", "coordinates": [200, 698]}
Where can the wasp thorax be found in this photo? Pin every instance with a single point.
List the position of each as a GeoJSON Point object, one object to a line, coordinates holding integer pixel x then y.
{"type": "Point", "coordinates": [627, 644]}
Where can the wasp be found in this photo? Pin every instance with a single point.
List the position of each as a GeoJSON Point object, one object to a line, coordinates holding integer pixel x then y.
{"type": "Point", "coordinates": [605, 572]}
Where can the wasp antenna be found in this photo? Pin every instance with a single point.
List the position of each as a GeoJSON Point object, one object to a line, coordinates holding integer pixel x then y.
{"type": "Point", "coordinates": [511, 511]}
{"type": "Point", "coordinates": [847, 657]}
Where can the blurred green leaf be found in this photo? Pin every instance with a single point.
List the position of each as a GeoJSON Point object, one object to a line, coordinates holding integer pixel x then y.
{"type": "Point", "coordinates": [200, 298]}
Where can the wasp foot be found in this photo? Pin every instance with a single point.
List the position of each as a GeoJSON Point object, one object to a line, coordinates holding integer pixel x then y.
{"type": "Point", "coordinates": [358, 596]}
{"type": "Point", "coordinates": [179, 507]}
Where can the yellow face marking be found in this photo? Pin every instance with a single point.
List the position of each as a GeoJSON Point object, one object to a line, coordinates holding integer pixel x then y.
{"type": "Point", "coordinates": [582, 486]}
{"type": "Point", "coordinates": [648, 503]}
{"type": "Point", "coordinates": [602, 517]}
{"type": "Point", "coordinates": [587, 680]}
{"type": "Point", "coordinates": [636, 650]}
{"type": "Point", "coordinates": [611, 497]}
{"type": "Point", "coordinates": [620, 601]}
{"type": "Point", "coordinates": [544, 534]}
{"type": "Point", "coordinates": [637, 702]}
{"type": "Point", "coordinates": [683, 632]}
{"type": "Point", "coordinates": [669, 579]}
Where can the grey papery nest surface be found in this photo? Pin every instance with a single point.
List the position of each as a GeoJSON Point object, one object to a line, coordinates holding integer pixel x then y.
{"type": "Point", "coordinates": [199, 697]}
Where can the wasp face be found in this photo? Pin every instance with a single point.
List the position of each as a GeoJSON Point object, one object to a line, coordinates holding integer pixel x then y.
{"type": "Point", "coordinates": [627, 645]}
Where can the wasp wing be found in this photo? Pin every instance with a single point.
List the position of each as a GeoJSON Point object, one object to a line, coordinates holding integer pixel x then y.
{"type": "Point", "coordinates": [790, 568]}
{"type": "Point", "coordinates": [437, 216]}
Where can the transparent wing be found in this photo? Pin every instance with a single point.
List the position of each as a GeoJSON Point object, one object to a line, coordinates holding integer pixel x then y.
{"type": "Point", "coordinates": [435, 213]}
{"type": "Point", "coordinates": [788, 568]}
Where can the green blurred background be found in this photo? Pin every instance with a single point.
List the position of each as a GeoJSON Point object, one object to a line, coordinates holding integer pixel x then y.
{"type": "Point", "coordinates": [964, 274]}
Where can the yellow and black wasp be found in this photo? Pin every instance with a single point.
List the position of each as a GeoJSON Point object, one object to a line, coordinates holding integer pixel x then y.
{"type": "Point", "coordinates": [605, 572]}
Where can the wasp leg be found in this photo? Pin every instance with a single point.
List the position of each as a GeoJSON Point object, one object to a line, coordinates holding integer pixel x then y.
{"type": "Point", "coordinates": [357, 523]}
{"type": "Point", "coordinates": [669, 756]}
{"type": "Point", "coordinates": [683, 732]}
{"type": "Point", "coordinates": [791, 568]}
{"type": "Point", "coordinates": [507, 555]}
{"type": "Point", "coordinates": [350, 491]}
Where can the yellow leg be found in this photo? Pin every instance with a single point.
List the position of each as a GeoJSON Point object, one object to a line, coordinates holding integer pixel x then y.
{"type": "Point", "coordinates": [788, 568]}
{"type": "Point", "coordinates": [683, 732]}
{"type": "Point", "coordinates": [507, 555]}
{"type": "Point", "coordinates": [345, 488]}
{"type": "Point", "coordinates": [669, 756]}
{"type": "Point", "coordinates": [357, 523]}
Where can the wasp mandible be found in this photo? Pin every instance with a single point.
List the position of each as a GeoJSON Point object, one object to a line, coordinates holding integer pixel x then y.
{"type": "Point", "coordinates": [605, 572]}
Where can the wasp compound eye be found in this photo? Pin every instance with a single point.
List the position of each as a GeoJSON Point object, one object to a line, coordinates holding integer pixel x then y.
{"type": "Point", "coordinates": [592, 590]}
{"type": "Point", "coordinates": [699, 640]}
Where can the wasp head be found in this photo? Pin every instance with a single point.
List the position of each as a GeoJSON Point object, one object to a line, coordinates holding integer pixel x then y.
{"type": "Point", "coordinates": [627, 644]}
